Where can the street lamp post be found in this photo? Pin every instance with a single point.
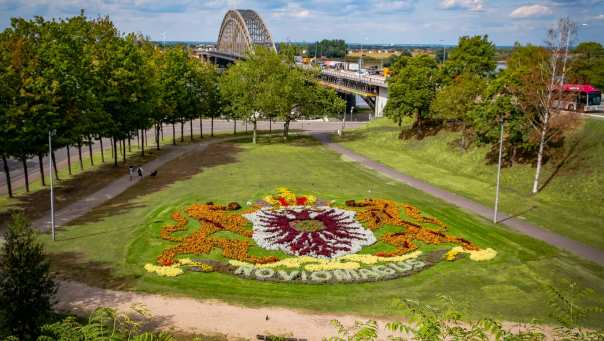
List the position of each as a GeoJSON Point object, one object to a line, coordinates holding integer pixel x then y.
{"type": "Point", "coordinates": [52, 196]}
{"type": "Point", "coordinates": [498, 170]}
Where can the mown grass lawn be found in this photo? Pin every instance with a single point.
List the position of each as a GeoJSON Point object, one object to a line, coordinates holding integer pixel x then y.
{"type": "Point", "coordinates": [571, 203]}
{"type": "Point", "coordinates": [120, 238]}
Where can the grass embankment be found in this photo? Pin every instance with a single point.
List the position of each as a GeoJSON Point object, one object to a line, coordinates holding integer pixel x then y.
{"type": "Point", "coordinates": [571, 202]}
{"type": "Point", "coordinates": [111, 245]}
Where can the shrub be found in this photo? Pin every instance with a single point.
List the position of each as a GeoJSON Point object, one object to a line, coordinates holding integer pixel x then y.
{"type": "Point", "coordinates": [26, 285]}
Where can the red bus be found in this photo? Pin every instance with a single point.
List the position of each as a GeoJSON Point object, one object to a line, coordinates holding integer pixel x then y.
{"type": "Point", "coordinates": [580, 97]}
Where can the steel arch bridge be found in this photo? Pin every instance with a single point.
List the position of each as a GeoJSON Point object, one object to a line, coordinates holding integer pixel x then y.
{"type": "Point", "coordinates": [241, 31]}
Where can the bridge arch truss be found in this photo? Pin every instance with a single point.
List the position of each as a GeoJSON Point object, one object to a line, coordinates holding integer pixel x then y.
{"type": "Point", "coordinates": [242, 30]}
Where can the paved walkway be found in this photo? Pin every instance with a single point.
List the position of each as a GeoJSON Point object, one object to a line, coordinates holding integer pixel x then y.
{"type": "Point", "coordinates": [117, 187]}
{"type": "Point", "coordinates": [572, 246]}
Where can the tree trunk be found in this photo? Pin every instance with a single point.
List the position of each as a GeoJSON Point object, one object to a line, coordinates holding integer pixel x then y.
{"type": "Point", "coordinates": [161, 130]}
{"type": "Point", "coordinates": [182, 131]}
{"type": "Point", "coordinates": [90, 150]}
{"type": "Point", "coordinates": [234, 127]}
{"type": "Point", "coordinates": [212, 126]}
{"type": "Point", "coordinates": [418, 124]}
{"type": "Point", "coordinates": [102, 151]}
{"type": "Point", "coordinates": [463, 136]}
{"type": "Point", "coordinates": [80, 155]}
{"type": "Point", "coordinates": [129, 146]}
{"type": "Point", "coordinates": [112, 142]}
{"type": "Point", "coordinates": [173, 134]}
{"type": "Point", "coordinates": [24, 161]}
{"type": "Point", "coordinates": [41, 164]}
{"type": "Point", "coordinates": [270, 129]}
{"type": "Point", "coordinates": [9, 185]}
{"type": "Point", "coordinates": [68, 160]}
{"type": "Point", "coordinates": [544, 129]}
{"type": "Point", "coordinates": [124, 150]}
{"type": "Point", "coordinates": [138, 139]}
{"type": "Point", "coordinates": [143, 140]}
{"type": "Point", "coordinates": [285, 129]}
{"type": "Point", "coordinates": [191, 128]}
{"type": "Point", "coordinates": [53, 158]}
{"type": "Point", "coordinates": [254, 134]}
{"type": "Point", "coordinates": [114, 151]}
{"type": "Point", "coordinates": [157, 128]}
{"type": "Point", "coordinates": [200, 127]}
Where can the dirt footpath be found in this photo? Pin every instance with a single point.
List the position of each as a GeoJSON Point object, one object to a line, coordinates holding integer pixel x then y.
{"type": "Point", "coordinates": [204, 317]}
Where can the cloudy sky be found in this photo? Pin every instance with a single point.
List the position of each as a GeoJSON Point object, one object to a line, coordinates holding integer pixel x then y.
{"type": "Point", "coordinates": [373, 21]}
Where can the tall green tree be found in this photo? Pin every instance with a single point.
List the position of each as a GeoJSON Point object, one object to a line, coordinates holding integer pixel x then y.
{"type": "Point", "coordinates": [412, 87]}
{"type": "Point", "coordinates": [249, 86]}
{"type": "Point", "coordinates": [27, 288]}
{"type": "Point", "coordinates": [456, 100]}
{"type": "Point", "coordinates": [173, 86]}
{"type": "Point", "coordinates": [9, 80]}
{"type": "Point", "coordinates": [32, 112]}
{"type": "Point", "coordinates": [587, 64]}
{"type": "Point", "coordinates": [475, 55]}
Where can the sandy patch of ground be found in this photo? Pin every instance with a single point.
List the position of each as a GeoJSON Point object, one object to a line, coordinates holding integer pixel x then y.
{"type": "Point", "coordinates": [204, 316]}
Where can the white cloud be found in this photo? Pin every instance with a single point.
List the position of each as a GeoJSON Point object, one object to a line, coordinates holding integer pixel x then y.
{"type": "Point", "coordinates": [292, 10]}
{"type": "Point", "coordinates": [530, 11]}
{"type": "Point", "coordinates": [472, 5]}
{"type": "Point", "coordinates": [599, 17]}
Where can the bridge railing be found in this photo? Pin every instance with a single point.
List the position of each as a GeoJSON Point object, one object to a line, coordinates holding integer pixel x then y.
{"type": "Point", "coordinates": [351, 75]}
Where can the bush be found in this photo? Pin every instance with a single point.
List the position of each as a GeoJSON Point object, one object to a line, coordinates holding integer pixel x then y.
{"type": "Point", "coordinates": [26, 286]}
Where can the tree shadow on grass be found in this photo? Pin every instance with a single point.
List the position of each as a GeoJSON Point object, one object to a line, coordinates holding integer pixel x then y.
{"type": "Point", "coordinates": [37, 204]}
{"type": "Point", "coordinates": [182, 168]}
{"type": "Point", "coordinates": [73, 266]}
{"type": "Point", "coordinates": [570, 160]}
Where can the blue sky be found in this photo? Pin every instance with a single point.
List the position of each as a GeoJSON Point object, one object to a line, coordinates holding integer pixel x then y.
{"type": "Point", "coordinates": [373, 21]}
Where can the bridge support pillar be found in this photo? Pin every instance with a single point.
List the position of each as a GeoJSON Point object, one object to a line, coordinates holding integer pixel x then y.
{"type": "Point", "coordinates": [380, 101]}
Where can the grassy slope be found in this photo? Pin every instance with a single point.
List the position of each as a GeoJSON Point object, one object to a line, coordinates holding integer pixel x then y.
{"type": "Point", "coordinates": [571, 204]}
{"type": "Point", "coordinates": [508, 287]}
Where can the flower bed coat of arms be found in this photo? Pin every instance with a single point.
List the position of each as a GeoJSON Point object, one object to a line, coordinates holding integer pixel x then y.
{"type": "Point", "coordinates": [298, 238]}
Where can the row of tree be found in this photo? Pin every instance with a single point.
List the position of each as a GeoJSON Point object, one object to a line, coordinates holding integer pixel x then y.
{"type": "Point", "coordinates": [467, 93]}
{"type": "Point", "coordinates": [83, 81]}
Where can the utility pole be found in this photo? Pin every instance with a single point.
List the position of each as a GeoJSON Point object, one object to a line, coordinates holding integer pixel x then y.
{"type": "Point", "coordinates": [498, 170]}
{"type": "Point", "coordinates": [52, 196]}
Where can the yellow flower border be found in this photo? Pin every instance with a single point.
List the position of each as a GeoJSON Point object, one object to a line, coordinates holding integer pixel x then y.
{"type": "Point", "coordinates": [348, 262]}
{"type": "Point", "coordinates": [176, 268]}
{"type": "Point", "coordinates": [475, 255]}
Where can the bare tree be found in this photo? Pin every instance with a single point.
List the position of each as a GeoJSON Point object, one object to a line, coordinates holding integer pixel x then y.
{"type": "Point", "coordinates": [552, 74]}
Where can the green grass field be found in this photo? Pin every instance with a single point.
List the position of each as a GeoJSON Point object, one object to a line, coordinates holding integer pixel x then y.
{"type": "Point", "coordinates": [572, 202]}
{"type": "Point", "coordinates": [111, 245]}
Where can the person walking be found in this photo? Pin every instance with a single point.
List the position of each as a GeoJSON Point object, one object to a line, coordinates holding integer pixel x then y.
{"type": "Point", "coordinates": [130, 172]}
{"type": "Point", "coordinates": [140, 172]}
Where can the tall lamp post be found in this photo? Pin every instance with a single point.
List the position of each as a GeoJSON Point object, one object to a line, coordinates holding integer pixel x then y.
{"type": "Point", "coordinates": [52, 194]}
{"type": "Point", "coordinates": [498, 170]}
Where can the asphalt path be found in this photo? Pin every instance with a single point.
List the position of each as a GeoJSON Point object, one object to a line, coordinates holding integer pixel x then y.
{"type": "Point", "coordinates": [220, 126]}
